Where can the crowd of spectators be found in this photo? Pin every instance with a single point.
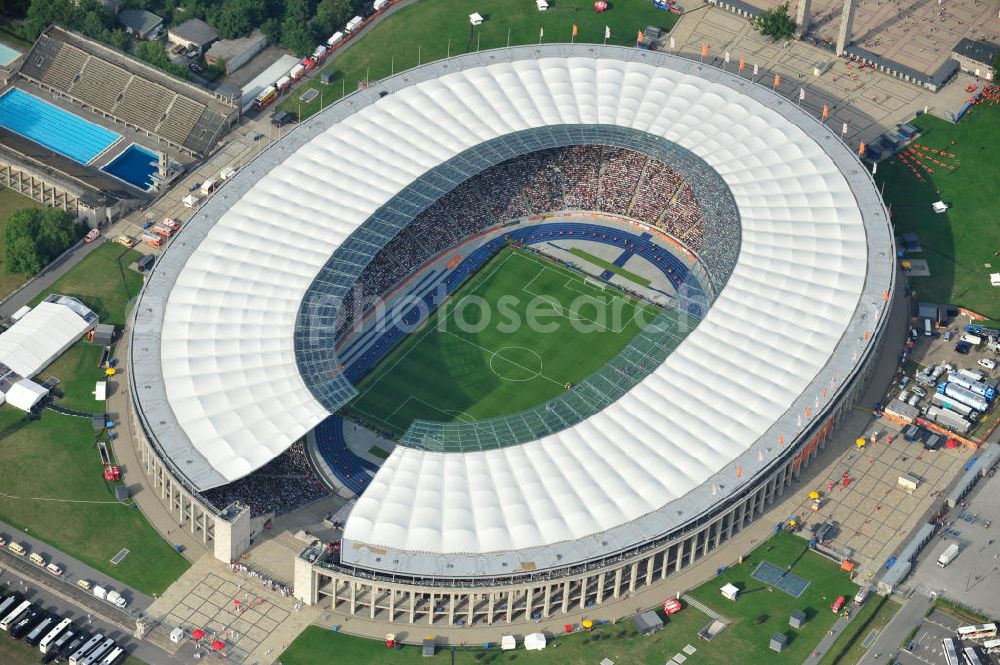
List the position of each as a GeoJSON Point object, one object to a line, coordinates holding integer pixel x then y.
{"type": "Point", "coordinates": [608, 179]}
{"type": "Point", "coordinates": [284, 484]}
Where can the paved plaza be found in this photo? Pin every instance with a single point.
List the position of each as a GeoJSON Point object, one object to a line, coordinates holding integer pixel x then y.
{"type": "Point", "coordinates": [873, 512]}
{"type": "Point", "coordinates": [870, 102]}
{"type": "Point", "coordinates": [255, 623]}
{"type": "Point", "coordinates": [916, 34]}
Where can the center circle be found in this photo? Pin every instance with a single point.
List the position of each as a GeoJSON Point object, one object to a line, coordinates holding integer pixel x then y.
{"type": "Point", "coordinates": [516, 363]}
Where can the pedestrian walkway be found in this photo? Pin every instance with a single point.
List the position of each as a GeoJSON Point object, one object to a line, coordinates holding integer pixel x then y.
{"type": "Point", "coordinates": [702, 607]}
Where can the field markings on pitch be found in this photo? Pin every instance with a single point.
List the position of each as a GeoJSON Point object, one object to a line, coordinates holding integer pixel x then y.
{"type": "Point", "coordinates": [494, 353]}
{"type": "Point", "coordinates": [576, 316]}
{"type": "Point", "coordinates": [428, 326]}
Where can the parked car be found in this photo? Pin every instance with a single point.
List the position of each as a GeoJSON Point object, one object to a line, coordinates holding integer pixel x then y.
{"type": "Point", "coordinates": [192, 54]}
{"type": "Point", "coordinates": [917, 390]}
{"type": "Point", "coordinates": [92, 235]}
{"type": "Point", "coordinates": [196, 68]}
{"type": "Point", "coordinates": [987, 363]}
{"type": "Point", "coordinates": [903, 381]}
{"type": "Point", "coordinates": [963, 348]}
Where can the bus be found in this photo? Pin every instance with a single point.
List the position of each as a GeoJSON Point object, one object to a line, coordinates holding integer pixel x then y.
{"type": "Point", "coordinates": [977, 632]}
{"type": "Point", "coordinates": [41, 630]}
{"type": "Point", "coordinates": [991, 646]}
{"type": "Point", "coordinates": [950, 652]}
{"type": "Point", "coordinates": [114, 657]}
{"type": "Point", "coordinates": [17, 548]}
{"type": "Point", "coordinates": [86, 648]}
{"type": "Point", "coordinates": [51, 636]}
{"type": "Point", "coordinates": [10, 602]}
{"type": "Point", "coordinates": [97, 655]}
{"type": "Point", "coordinates": [12, 616]}
{"type": "Point", "coordinates": [971, 657]}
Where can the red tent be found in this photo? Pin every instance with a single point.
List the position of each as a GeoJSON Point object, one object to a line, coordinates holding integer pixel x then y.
{"type": "Point", "coordinates": [197, 633]}
{"type": "Point", "coordinates": [218, 645]}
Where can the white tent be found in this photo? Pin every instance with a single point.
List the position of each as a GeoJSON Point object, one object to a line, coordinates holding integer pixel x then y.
{"type": "Point", "coordinates": [190, 200]}
{"type": "Point", "coordinates": [542, 5]}
{"type": "Point", "coordinates": [534, 641]}
{"type": "Point", "coordinates": [995, 278]}
{"type": "Point", "coordinates": [730, 591]}
{"type": "Point", "coordinates": [25, 394]}
{"type": "Point", "coordinates": [507, 642]}
{"type": "Point", "coordinates": [475, 18]}
{"type": "Point", "coordinates": [939, 206]}
{"type": "Point", "coordinates": [41, 335]}
{"type": "Point", "coordinates": [19, 314]}
{"type": "Point", "coordinates": [101, 391]}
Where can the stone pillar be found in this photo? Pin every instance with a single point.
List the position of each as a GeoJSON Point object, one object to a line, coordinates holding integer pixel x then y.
{"type": "Point", "coordinates": [649, 570]}
{"type": "Point", "coordinates": [431, 609]}
{"type": "Point", "coordinates": [510, 606]}
{"type": "Point", "coordinates": [846, 24]}
{"type": "Point", "coordinates": [547, 603]}
{"type": "Point", "coordinates": [584, 586]}
{"type": "Point", "coordinates": [413, 607]}
{"type": "Point", "coordinates": [631, 578]}
{"type": "Point", "coordinates": [600, 588]}
{"type": "Point", "coordinates": [451, 611]}
{"type": "Point", "coordinates": [527, 603]}
{"type": "Point", "coordinates": [392, 605]}
{"type": "Point", "coordinates": [489, 617]}
{"type": "Point", "coordinates": [565, 598]}
{"type": "Point", "coordinates": [618, 582]}
{"type": "Point", "coordinates": [354, 597]}
{"type": "Point", "coordinates": [373, 598]}
{"type": "Point", "coordinates": [802, 17]}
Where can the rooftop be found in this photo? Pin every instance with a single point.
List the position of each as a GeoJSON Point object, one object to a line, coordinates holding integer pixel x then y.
{"type": "Point", "coordinates": [139, 20]}
{"type": "Point", "coordinates": [196, 31]}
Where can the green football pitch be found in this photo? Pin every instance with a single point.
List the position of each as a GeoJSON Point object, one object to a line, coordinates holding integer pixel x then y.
{"type": "Point", "coordinates": [516, 334]}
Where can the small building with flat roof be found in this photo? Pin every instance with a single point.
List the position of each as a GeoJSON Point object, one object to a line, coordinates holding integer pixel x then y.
{"type": "Point", "coordinates": [141, 24]}
{"type": "Point", "coordinates": [234, 53]}
{"type": "Point", "coordinates": [193, 34]}
{"type": "Point", "coordinates": [975, 57]}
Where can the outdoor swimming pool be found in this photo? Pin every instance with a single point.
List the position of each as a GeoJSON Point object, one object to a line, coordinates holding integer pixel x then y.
{"type": "Point", "coordinates": [7, 54]}
{"type": "Point", "coordinates": [135, 165]}
{"type": "Point", "coordinates": [54, 128]}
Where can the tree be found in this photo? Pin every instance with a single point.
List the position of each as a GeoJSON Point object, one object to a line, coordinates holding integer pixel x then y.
{"type": "Point", "coordinates": [776, 23]}
{"type": "Point", "coordinates": [155, 54]}
{"type": "Point", "coordinates": [996, 65]}
{"type": "Point", "coordinates": [236, 18]}
{"type": "Point", "coordinates": [296, 36]}
{"type": "Point", "coordinates": [330, 15]}
{"type": "Point", "coordinates": [36, 236]}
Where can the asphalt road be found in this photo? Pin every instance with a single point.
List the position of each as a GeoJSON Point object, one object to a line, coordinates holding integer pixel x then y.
{"type": "Point", "coordinates": [73, 570]}
{"type": "Point", "coordinates": [44, 279]}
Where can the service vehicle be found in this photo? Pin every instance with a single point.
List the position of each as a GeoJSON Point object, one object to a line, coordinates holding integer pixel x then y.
{"type": "Point", "coordinates": [948, 555]}
{"type": "Point", "coordinates": [987, 363]}
{"type": "Point", "coordinates": [838, 604]}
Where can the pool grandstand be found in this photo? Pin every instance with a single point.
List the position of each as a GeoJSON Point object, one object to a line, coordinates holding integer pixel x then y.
{"type": "Point", "coordinates": [754, 218]}
{"type": "Point", "coordinates": [120, 87]}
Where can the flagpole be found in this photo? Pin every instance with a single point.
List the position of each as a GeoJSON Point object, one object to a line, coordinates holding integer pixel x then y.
{"type": "Point", "coordinates": [508, 36]}
{"type": "Point", "coordinates": [418, 55]}
{"type": "Point", "coordinates": [449, 47]}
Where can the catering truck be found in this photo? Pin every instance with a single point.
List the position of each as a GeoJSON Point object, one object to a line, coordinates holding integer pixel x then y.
{"type": "Point", "coordinates": [944, 402]}
{"type": "Point", "coordinates": [948, 555]}
{"type": "Point", "coordinates": [977, 387]}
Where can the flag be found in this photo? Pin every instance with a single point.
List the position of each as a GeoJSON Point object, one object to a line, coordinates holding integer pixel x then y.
{"type": "Point", "coordinates": [874, 169]}
{"type": "Point", "coordinates": [739, 472]}
{"type": "Point", "coordinates": [673, 44]}
{"type": "Point", "coordinates": [726, 57]}
{"type": "Point", "coordinates": [704, 50]}
{"type": "Point", "coordinates": [826, 111]}
{"type": "Point", "coordinates": [844, 129]}
{"type": "Point", "coordinates": [574, 30]}
{"type": "Point", "coordinates": [743, 64]}
{"type": "Point", "coordinates": [640, 37]}
{"type": "Point", "coordinates": [861, 149]}
{"type": "Point", "coordinates": [541, 32]}
{"type": "Point", "coordinates": [802, 94]}
{"type": "Point", "coordinates": [607, 32]}
{"type": "Point", "coordinates": [755, 70]}
{"type": "Point", "coordinates": [777, 80]}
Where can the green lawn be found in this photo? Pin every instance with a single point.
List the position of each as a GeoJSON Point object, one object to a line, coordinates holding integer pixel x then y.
{"type": "Point", "coordinates": [52, 485]}
{"type": "Point", "coordinates": [621, 643]}
{"type": "Point", "coordinates": [478, 357]}
{"type": "Point", "coordinates": [849, 647]}
{"type": "Point", "coordinates": [607, 265]}
{"type": "Point", "coordinates": [103, 281]}
{"type": "Point", "coordinates": [77, 372]}
{"type": "Point", "coordinates": [423, 30]}
{"type": "Point", "coordinates": [959, 243]}
{"type": "Point", "coordinates": [19, 653]}
{"type": "Point", "coordinates": [9, 202]}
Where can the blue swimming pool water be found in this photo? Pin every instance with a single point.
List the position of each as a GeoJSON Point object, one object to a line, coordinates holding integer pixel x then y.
{"type": "Point", "coordinates": [135, 165]}
{"type": "Point", "coordinates": [8, 54]}
{"type": "Point", "coordinates": [53, 127]}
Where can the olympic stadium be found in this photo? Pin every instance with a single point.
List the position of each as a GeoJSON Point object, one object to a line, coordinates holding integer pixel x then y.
{"type": "Point", "coordinates": [754, 239]}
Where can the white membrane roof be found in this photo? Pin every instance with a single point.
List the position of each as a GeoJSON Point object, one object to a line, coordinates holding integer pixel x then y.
{"type": "Point", "coordinates": [778, 344]}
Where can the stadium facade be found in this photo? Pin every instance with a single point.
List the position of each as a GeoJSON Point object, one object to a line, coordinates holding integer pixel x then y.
{"type": "Point", "coordinates": [232, 352]}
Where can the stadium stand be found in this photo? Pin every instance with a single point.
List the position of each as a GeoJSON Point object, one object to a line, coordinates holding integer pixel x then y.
{"type": "Point", "coordinates": [282, 485]}
{"type": "Point", "coordinates": [140, 96]}
{"type": "Point", "coordinates": [352, 471]}
{"type": "Point", "coordinates": [608, 179]}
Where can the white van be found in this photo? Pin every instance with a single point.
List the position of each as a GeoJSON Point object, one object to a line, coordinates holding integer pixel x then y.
{"type": "Point", "coordinates": [987, 363]}
{"type": "Point", "coordinates": [974, 340]}
{"type": "Point", "coordinates": [37, 559]}
{"type": "Point", "coordinates": [927, 327]}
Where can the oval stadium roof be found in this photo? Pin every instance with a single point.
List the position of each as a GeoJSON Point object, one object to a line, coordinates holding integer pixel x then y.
{"type": "Point", "coordinates": [217, 319]}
